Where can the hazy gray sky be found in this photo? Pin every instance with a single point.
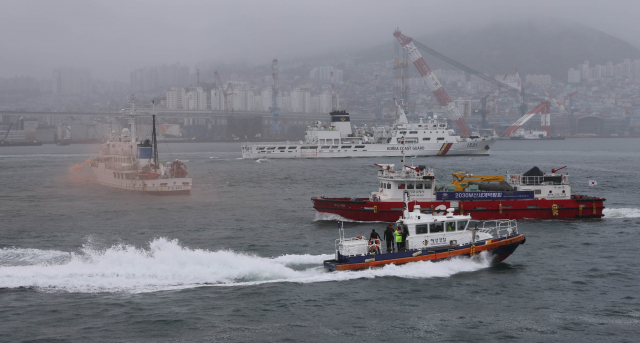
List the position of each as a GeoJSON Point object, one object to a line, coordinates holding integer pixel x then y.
{"type": "Point", "coordinates": [114, 37]}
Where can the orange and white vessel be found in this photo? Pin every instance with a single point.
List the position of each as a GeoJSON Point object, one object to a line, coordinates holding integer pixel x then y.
{"type": "Point", "coordinates": [128, 163]}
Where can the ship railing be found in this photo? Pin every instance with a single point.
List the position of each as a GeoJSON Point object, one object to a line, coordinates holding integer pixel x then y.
{"type": "Point", "coordinates": [519, 179]}
{"type": "Point", "coordinates": [500, 227]}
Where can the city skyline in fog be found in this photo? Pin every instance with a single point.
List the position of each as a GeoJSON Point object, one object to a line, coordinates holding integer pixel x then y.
{"type": "Point", "coordinates": [113, 38]}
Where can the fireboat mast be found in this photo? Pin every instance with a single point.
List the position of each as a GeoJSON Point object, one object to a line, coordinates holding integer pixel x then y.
{"type": "Point", "coordinates": [132, 117]}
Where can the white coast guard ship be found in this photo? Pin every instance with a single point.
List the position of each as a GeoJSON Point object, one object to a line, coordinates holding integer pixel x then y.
{"type": "Point", "coordinates": [429, 137]}
{"type": "Point", "coordinates": [127, 163]}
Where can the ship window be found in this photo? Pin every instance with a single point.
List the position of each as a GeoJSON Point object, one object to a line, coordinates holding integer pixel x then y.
{"type": "Point", "coordinates": [462, 225]}
{"type": "Point", "coordinates": [401, 186]}
{"type": "Point", "coordinates": [423, 228]}
{"type": "Point", "coordinates": [359, 146]}
{"type": "Point", "coordinates": [537, 191]}
{"type": "Point", "coordinates": [334, 147]}
{"type": "Point", "coordinates": [325, 147]}
{"type": "Point", "coordinates": [382, 185]}
{"type": "Point", "coordinates": [427, 185]}
{"type": "Point", "coordinates": [437, 227]}
{"type": "Point", "coordinates": [346, 146]}
{"type": "Point", "coordinates": [413, 132]}
{"type": "Point", "coordinates": [336, 141]}
{"type": "Point", "coordinates": [260, 148]}
{"type": "Point", "coordinates": [410, 186]}
{"type": "Point", "coordinates": [272, 148]}
{"type": "Point", "coordinates": [389, 185]}
{"type": "Point", "coordinates": [282, 147]}
{"type": "Point", "coordinates": [114, 174]}
{"type": "Point", "coordinates": [322, 141]}
{"type": "Point", "coordinates": [291, 147]}
{"type": "Point", "coordinates": [426, 139]}
{"type": "Point", "coordinates": [442, 125]}
{"type": "Point", "coordinates": [403, 132]}
{"type": "Point", "coordinates": [451, 226]}
{"type": "Point", "coordinates": [419, 186]}
{"type": "Point", "coordinates": [440, 138]}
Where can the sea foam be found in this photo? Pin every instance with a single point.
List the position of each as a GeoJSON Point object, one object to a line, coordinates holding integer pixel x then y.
{"type": "Point", "coordinates": [621, 212]}
{"type": "Point", "coordinates": [166, 265]}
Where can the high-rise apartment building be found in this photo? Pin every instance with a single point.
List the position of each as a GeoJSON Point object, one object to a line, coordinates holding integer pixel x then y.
{"type": "Point", "coordinates": [574, 76]}
{"type": "Point", "coordinates": [71, 81]}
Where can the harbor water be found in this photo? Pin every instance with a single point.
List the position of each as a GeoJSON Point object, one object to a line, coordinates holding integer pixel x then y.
{"type": "Point", "coordinates": [240, 258]}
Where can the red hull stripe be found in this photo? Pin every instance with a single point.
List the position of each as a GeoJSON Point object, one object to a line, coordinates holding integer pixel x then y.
{"type": "Point", "coordinates": [444, 149]}
{"type": "Point", "coordinates": [438, 256]}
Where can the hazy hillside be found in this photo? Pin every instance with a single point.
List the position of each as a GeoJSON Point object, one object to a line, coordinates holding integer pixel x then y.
{"type": "Point", "coordinates": [533, 48]}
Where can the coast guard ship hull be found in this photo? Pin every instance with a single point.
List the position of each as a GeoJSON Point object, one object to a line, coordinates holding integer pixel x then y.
{"type": "Point", "coordinates": [282, 150]}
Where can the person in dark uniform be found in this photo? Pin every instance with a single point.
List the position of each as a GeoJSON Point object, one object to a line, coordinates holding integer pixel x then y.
{"type": "Point", "coordinates": [388, 236]}
{"type": "Point", "coordinates": [405, 233]}
{"type": "Point", "coordinates": [374, 235]}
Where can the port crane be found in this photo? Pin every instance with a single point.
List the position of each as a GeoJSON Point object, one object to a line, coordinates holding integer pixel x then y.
{"type": "Point", "coordinates": [410, 44]}
{"type": "Point", "coordinates": [225, 92]}
{"type": "Point", "coordinates": [274, 110]}
{"type": "Point", "coordinates": [434, 84]}
{"type": "Point", "coordinates": [8, 130]}
{"type": "Point", "coordinates": [378, 109]}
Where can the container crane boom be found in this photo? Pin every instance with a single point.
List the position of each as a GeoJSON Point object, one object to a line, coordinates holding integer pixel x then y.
{"type": "Point", "coordinates": [274, 109]}
{"type": "Point", "coordinates": [434, 84]}
{"type": "Point", "coordinates": [224, 92]}
{"type": "Point", "coordinates": [8, 130]}
{"type": "Point", "coordinates": [495, 95]}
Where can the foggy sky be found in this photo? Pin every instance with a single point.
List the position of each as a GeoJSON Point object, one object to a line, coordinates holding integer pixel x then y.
{"type": "Point", "coordinates": [114, 37]}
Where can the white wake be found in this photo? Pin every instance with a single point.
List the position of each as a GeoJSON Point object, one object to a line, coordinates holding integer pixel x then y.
{"type": "Point", "coordinates": [166, 265]}
{"type": "Point", "coordinates": [323, 216]}
{"type": "Point", "coordinates": [621, 212]}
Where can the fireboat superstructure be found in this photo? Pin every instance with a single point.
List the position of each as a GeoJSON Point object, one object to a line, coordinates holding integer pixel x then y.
{"type": "Point", "coordinates": [125, 163]}
{"type": "Point", "coordinates": [430, 137]}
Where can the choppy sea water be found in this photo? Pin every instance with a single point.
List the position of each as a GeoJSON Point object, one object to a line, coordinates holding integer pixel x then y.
{"type": "Point", "coordinates": [240, 258]}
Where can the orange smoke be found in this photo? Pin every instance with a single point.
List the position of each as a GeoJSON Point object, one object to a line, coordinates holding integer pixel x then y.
{"type": "Point", "coordinates": [74, 174]}
{"type": "Point", "coordinates": [78, 166]}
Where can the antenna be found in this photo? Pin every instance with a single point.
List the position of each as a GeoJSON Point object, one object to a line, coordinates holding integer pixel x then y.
{"type": "Point", "coordinates": [155, 143]}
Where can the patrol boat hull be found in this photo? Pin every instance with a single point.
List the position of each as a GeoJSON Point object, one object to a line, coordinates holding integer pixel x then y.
{"type": "Point", "coordinates": [499, 248]}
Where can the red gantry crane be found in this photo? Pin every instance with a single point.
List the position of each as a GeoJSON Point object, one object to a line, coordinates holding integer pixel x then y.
{"type": "Point", "coordinates": [434, 84]}
{"type": "Point", "coordinates": [443, 98]}
{"type": "Point", "coordinates": [544, 108]}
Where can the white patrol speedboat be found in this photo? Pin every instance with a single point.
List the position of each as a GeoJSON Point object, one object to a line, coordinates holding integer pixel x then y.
{"type": "Point", "coordinates": [430, 238]}
{"type": "Point", "coordinates": [424, 138]}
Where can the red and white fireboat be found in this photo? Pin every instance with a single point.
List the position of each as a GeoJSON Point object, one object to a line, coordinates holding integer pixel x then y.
{"type": "Point", "coordinates": [530, 195]}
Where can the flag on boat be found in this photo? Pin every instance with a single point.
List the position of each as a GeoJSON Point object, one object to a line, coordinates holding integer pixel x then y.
{"type": "Point", "coordinates": [593, 183]}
